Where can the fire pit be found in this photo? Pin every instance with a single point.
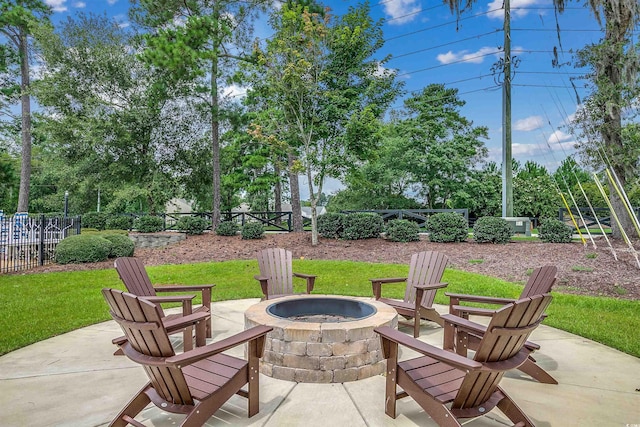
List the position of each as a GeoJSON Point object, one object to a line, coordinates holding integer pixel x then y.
{"type": "Point", "coordinates": [321, 339]}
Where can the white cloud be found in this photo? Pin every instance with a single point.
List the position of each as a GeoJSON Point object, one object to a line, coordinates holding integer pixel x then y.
{"type": "Point", "coordinates": [401, 11]}
{"type": "Point", "coordinates": [497, 11]}
{"type": "Point", "coordinates": [57, 5]}
{"type": "Point", "coordinates": [80, 4]}
{"type": "Point", "coordinates": [559, 136]}
{"type": "Point", "coordinates": [528, 124]}
{"type": "Point", "coordinates": [476, 57]}
{"type": "Point", "coordinates": [234, 91]}
{"type": "Point", "coordinates": [112, 2]}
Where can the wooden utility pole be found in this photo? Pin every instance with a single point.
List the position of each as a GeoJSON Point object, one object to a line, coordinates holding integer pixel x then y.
{"type": "Point", "coordinates": [507, 169]}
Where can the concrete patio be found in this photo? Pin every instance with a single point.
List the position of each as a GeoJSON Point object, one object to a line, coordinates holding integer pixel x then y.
{"type": "Point", "coordinates": [74, 380]}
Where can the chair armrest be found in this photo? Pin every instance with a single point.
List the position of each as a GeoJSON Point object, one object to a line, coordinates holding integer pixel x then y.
{"type": "Point", "coordinates": [181, 288]}
{"type": "Point", "coordinates": [310, 278]}
{"type": "Point", "coordinates": [181, 322]}
{"type": "Point", "coordinates": [157, 299]}
{"type": "Point", "coordinates": [389, 280]}
{"type": "Point", "coordinates": [200, 353]}
{"type": "Point", "coordinates": [476, 328]}
{"type": "Point", "coordinates": [456, 298]}
{"type": "Point", "coordinates": [429, 286]}
{"type": "Point", "coordinates": [263, 285]}
{"type": "Point", "coordinates": [465, 311]}
{"type": "Point", "coordinates": [376, 284]}
{"type": "Point", "coordinates": [405, 340]}
{"type": "Point", "coordinates": [466, 324]}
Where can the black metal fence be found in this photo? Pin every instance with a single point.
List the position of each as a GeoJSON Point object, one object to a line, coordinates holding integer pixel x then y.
{"type": "Point", "coordinates": [27, 241]}
{"type": "Point", "coordinates": [419, 216]}
{"type": "Point", "coordinates": [602, 215]}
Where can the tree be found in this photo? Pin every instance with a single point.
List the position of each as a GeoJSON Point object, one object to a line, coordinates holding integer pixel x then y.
{"type": "Point", "coordinates": [439, 147]}
{"type": "Point", "coordinates": [331, 92]}
{"type": "Point", "coordinates": [192, 40]}
{"type": "Point", "coordinates": [19, 19]}
{"type": "Point", "coordinates": [535, 193]}
{"type": "Point", "coordinates": [109, 120]}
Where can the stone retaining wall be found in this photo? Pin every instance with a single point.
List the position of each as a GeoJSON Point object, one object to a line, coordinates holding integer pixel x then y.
{"type": "Point", "coordinates": [154, 240]}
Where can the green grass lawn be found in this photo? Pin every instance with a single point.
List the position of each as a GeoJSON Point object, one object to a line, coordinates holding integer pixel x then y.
{"type": "Point", "coordinates": [35, 307]}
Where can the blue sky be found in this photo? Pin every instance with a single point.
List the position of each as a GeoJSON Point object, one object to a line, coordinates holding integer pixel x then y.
{"type": "Point", "coordinates": [429, 45]}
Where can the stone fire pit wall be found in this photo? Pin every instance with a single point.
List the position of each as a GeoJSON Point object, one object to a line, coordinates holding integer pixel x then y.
{"type": "Point", "coordinates": [322, 352]}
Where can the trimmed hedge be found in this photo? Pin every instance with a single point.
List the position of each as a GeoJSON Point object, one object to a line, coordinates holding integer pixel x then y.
{"type": "Point", "coordinates": [362, 225]}
{"type": "Point", "coordinates": [227, 228]}
{"type": "Point", "coordinates": [252, 230]}
{"type": "Point", "coordinates": [192, 224]}
{"type": "Point", "coordinates": [119, 222]}
{"type": "Point", "coordinates": [83, 248]}
{"type": "Point", "coordinates": [446, 227]}
{"type": "Point", "coordinates": [148, 224]}
{"type": "Point", "coordinates": [121, 245]}
{"type": "Point", "coordinates": [402, 230]}
{"type": "Point", "coordinates": [554, 231]}
{"type": "Point", "coordinates": [331, 224]}
{"type": "Point", "coordinates": [97, 220]}
{"type": "Point", "coordinates": [490, 229]}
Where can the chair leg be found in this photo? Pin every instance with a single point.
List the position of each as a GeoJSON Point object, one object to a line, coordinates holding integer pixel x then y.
{"type": "Point", "coordinates": [253, 403]}
{"type": "Point", "coordinates": [133, 408]}
{"type": "Point", "coordinates": [532, 369]}
{"type": "Point", "coordinates": [416, 326]}
{"type": "Point", "coordinates": [187, 338]}
{"type": "Point", "coordinates": [513, 411]}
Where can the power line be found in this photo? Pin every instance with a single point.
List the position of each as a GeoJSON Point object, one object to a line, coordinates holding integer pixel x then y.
{"type": "Point", "coordinates": [449, 63]}
{"type": "Point", "coordinates": [555, 30]}
{"type": "Point", "coordinates": [440, 25]}
{"type": "Point", "coordinates": [445, 44]}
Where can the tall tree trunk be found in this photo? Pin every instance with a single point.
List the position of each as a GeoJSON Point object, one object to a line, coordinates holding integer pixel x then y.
{"type": "Point", "coordinates": [215, 144]}
{"type": "Point", "coordinates": [25, 167]}
{"type": "Point", "coordinates": [617, 25]}
{"type": "Point", "coordinates": [314, 215]}
{"type": "Point", "coordinates": [294, 185]}
{"type": "Point", "coordinates": [277, 193]}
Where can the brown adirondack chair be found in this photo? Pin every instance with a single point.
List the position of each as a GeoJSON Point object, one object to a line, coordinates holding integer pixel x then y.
{"type": "Point", "coordinates": [540, 282]}
{"type": "Point", "coordinates": [197, 382]}
{"type": "Point", "coordinates": [276, 273]}
{"type": "Point", "coordinates": [135, 278]}
{"type": "Point", "coordinates": [450, 387]}
{"type": "Point", "coordinates": [425, 273]}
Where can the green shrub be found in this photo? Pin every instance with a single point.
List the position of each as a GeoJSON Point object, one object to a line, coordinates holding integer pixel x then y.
{"type": "Point", "coordinates": [119, 222]}
{"type": "Point", "coordinates": [97, 220]}
{"type": "Point", "coordinates": [192, 224]}
{"type": "Point", "coordinates": [554, 231]}
{"type": "Point", "coordinates": [330, 225]}
{"type": "Point", "coordinates": [121, 245]}
{"type": "Point", "coordinates": [490, 229]}
{"type": "Point", "coordinates": [446, 227]}
{"type": "Point", "coordinates": [148, 224]}
{"type": "Point", "coordinates": [362, 225]}
{"type": "Point", "coordinates": [82, 248]}
{"type": "Point", "coordinates": [252, 230]}
{"type": "Point", "coordinates": [402, 230]}
{"type": "Point", "coordinates": [227, 228]}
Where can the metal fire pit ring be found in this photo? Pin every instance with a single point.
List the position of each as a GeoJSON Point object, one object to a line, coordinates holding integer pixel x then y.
{"type": "Point", "coordinates": [321, 351]}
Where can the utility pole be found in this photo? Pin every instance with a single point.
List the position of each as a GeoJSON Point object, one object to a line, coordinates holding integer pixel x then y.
{"type": "Point", "coordinates": [507, 169]}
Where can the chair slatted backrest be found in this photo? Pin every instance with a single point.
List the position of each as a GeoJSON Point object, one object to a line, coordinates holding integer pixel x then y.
{"type": "Point", "coordinates": [141, 322]}
{"type": "Point", "coordinates": [540, 282]}
{"type": "Point", "coordinates": [276, 265]}
{"type": "Point", "coordinates": [506, 334]}
{"type": "Point", "coordinates": [425, 268]}
{"type": "Point", "coordinates": [135, 278]}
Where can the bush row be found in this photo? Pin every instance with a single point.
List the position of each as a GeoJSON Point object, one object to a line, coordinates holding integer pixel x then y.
{"type": "Point", "coordinates": [93, 247]}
